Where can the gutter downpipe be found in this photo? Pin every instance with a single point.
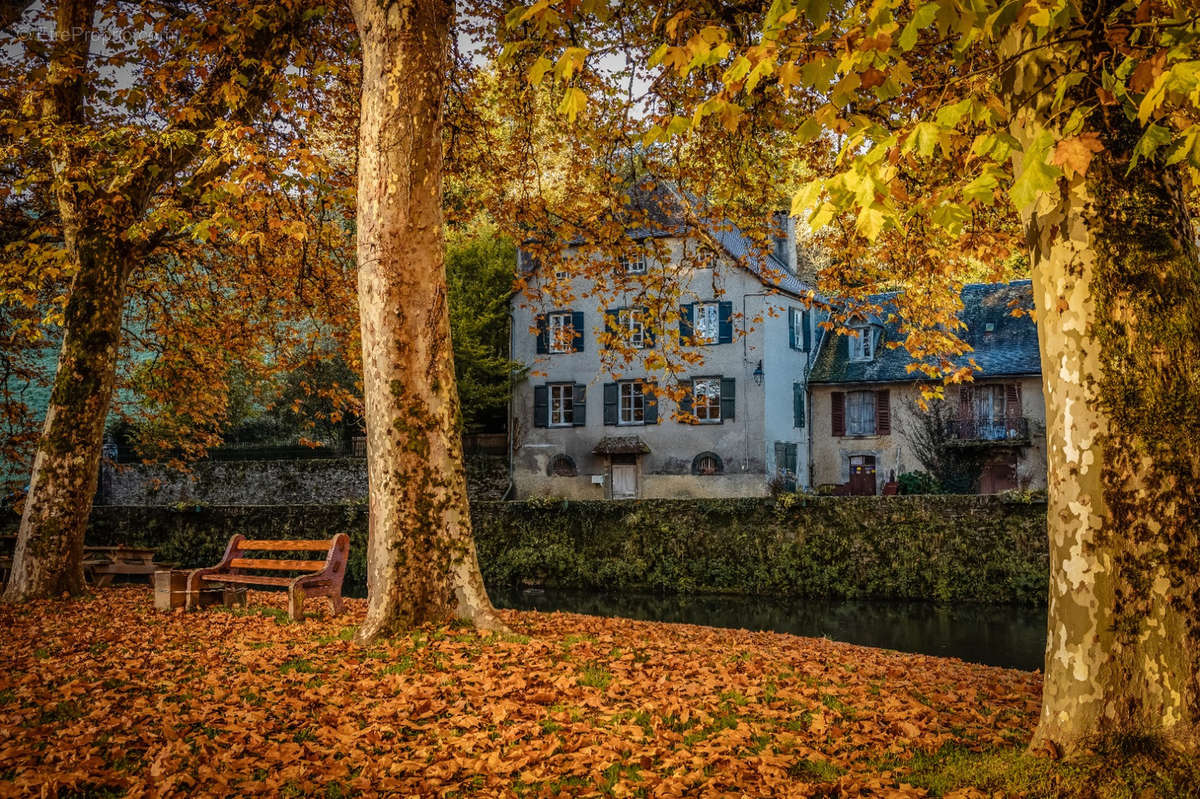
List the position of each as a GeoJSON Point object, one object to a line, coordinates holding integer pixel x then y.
{"type": "Point", "coordinates": [512, 487]}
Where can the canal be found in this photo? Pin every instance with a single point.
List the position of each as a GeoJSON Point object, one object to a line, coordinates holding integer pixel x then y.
{"type": "Point", "coordinates": [997, 635]}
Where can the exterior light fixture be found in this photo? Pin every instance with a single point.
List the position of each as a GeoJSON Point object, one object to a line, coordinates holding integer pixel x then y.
{"type": "Point", "coordinates": [758, 374]}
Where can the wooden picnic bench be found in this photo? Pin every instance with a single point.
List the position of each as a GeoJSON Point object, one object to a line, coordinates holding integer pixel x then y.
{"type": "Point", "coordinates": [102, 564]}
{"type": "Point", "coordinates": [319, 578]}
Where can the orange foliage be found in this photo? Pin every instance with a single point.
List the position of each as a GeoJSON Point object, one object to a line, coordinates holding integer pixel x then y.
{"type": "Point", "coordinates": [105, 692]}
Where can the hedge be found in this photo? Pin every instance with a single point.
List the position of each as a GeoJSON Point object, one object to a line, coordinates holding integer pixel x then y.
{"type": "Point", "coordinates": [942, 548]}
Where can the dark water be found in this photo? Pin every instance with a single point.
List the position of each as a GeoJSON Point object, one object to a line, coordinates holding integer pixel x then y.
{"type": "Point", "coordinates": [998, 635]}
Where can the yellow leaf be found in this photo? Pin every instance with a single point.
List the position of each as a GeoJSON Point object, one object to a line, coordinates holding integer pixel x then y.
{"type": "Point", "coordinates": [574, 101]}
{"type": "Point", "coordinates": [539, 70]}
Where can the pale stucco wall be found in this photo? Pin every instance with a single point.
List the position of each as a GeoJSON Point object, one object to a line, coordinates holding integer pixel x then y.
{"type": "Point", "coordinates": [894, 453]}
{"type": "Point", "coordinates": [745, 444]}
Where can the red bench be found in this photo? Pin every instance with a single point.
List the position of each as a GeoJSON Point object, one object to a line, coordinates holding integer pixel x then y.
{"type": "Point", "coordinates": [319, 578]}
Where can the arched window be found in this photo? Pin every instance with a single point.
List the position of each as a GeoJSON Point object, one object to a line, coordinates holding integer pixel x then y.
{"type": "Point", "coordinates": [562, 466]}
{"type": "Point", "coordinates": [707, 463]}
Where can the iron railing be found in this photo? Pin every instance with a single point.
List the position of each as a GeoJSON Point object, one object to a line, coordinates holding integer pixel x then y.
{"type": "Point", "coordinates": [986, 429]}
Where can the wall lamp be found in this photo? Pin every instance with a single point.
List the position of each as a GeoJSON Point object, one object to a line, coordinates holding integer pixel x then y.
{"type": "Point", "coordinates": [758, 374]}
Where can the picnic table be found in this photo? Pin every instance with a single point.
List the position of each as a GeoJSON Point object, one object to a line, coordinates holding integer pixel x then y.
{"type": "Point", "coordinates": [102, 564]}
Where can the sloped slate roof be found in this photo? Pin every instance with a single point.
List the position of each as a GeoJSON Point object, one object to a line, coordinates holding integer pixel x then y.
{"type": "Point", "coordinates": [662, 206]}
{"type": "Point", "coordinates": [1009, 349]}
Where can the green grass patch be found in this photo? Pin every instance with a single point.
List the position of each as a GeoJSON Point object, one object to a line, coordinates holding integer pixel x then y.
{"type": "Point", "coordinates": [594, 675]}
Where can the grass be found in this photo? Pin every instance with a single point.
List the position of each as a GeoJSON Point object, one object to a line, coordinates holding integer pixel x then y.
{"type": "Point", "coordinates": [1121, 769]}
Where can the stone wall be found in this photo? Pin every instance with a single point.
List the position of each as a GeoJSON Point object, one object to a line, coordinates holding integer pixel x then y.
{"type": "Point", "coordinates": [941, 548]}
{"type": "Point", "coordinates": [316, 481]}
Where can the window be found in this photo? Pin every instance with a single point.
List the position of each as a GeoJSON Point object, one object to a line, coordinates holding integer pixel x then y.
{"type": "Point", "coordinates": [707, 323]}
{"type": "Point", "coordinates": [706, 399]}
{"type": "Point", "coordinates": [860, 413]}
{"type": "Point", "coordinates": [631, 320]}
{"type": "Point", "coordinates": [632, 402]}
{"type": "Point", "coordinates": [562, 333]}
{"type": "Point", "coordinates": [562, 466]}
{"type": "Point", "coordinates": [991, 413]}
{"type": "Point", "coordinates": [707, 463]}
{"type": "Point", "coordinates": [862, 343]}
{"type": "Point", "coordinates": [635, 265]}
{"type": "Point", "coordinates": [562, 405]}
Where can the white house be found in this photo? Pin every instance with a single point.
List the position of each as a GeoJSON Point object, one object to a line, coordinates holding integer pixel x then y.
{"type": "Point", "coordinates": [583, 428]}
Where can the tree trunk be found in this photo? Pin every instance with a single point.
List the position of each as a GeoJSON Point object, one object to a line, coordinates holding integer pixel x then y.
{"type": "Point", "coordinates": [1115, 275]}
{"type": "Point", "coordinates": [48, 556]}
{"type": "Point", "coordinates": [421, 562]}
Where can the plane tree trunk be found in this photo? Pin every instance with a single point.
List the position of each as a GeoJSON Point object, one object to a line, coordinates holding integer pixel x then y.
{"type": "Point", "coordinates": [48, 556]}
{"type": "Point", "coordinates": [1115, 276]}
{"type": "Point", "coordinates": [421, 561]}
{"type": "Point", "coordinates": [95, 225]}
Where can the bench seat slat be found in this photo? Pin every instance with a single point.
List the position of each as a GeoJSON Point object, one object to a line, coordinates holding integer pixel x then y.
{"type": "Point", "coordinates": [308, 545]}
{"type": "Point", "coordinates": [278, 565]}
{"type": "Point", "coordinates": [249, 579]}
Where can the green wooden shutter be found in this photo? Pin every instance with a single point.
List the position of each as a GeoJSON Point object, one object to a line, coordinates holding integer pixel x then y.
{"type": "Point", "coordinates": [650, 405]}
{"type": "Point", "coordinates": [579, 405]}
{"type": "Point", "coordinates": [686, 321]}
{"type": "Point", "coordinates": [685, 402]}
{"type": "Point", "coordinates": [543, 335]}
{"type": "Point", "coordinates": [806, 323]}
{"type": "Point", "coordinates": [541, 406]}
{"type": "Point", "coordinates": [724, 322]}
{"type": "Point", "coordinates": [728, 398]}
{"type": "Point", "coordinates": [577, 330]}
{"type": "Point", "coordinates": [611, 398]}
{"type": "Point", "coordinates": [612, 323]}
{"type": "Point", "coordinates": [791, 327]}
{"type": "Point", "coordinates": [798, 415]}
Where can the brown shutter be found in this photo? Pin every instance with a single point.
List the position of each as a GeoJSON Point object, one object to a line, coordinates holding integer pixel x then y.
{"type": "Point", "coordinates": [883, 413]}
{"type": "Point", "coordinates": [1012, 401]}
{"type": "Point", "coordinates": [964, 403]}
{"type": "Point", "coordinates": [838, 414]}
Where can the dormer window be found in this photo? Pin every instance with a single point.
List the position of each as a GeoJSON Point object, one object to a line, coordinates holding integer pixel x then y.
{"type": "Point", "coordinates": [633, 265]}
{"type": "Point", "coordinates": [862, 343]}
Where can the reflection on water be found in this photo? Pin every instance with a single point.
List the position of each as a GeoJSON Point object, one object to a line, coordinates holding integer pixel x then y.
{"type": "Point", "coordinates": [998, 635]}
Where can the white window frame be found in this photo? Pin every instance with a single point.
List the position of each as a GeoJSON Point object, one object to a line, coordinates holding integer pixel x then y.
{"type": "Point", "coordinates": [630, 319]}
{"type": "Point", "coordinates": [706, 322]}
{"type": "Point", "coordinates": [560, 332]}
{"type": "Point", "coordinates": [708, 411]}
{"type": "Point", "coordinates": [633, 266]}
{"type": "Point", "coordinates": [631, 403]}
{"type": "Point", "coordinates": [862, 343]}
{"type": "Point", "coordinates": [798, 326]}
{"type": "Point", "coordinates": [860, 413]}
{"type": "Point", "coordinates": [562, 404]}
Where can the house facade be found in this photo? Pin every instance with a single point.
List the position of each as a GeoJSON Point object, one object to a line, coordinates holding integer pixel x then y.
{"type": "Point", "coordinates": [585, 430]}
{"type": "Point", "coordinates": [867, 428]}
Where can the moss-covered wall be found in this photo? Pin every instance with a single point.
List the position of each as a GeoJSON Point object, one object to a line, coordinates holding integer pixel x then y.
{"type": "Point", "coordinates": [945, 548]}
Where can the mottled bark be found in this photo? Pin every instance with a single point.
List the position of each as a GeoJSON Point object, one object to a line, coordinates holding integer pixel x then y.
{"type": "Point", "coordinates": [48, 555]}
{"type": "Point", "coordinates": [1115, 276]}
{"type": "Point", "coordinates": [421, 562]}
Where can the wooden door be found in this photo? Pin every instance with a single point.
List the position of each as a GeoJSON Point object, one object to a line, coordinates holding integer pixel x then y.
{"type": "Point", "coordinates": [862, 475]}
{"type": "Point", "coordinates": [624, 481]}
{"type": "Point", "coordinates": [999, 474]}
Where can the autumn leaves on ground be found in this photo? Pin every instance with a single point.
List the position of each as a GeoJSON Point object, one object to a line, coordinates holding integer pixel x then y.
{"type": "Point", "coordinates": [103, 696]}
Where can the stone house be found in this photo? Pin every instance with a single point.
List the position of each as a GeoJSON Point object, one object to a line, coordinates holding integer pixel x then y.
{"type": "Point", "coordinates": [862, 398]}
{"type": "Point", "coordinates": [582, 431]}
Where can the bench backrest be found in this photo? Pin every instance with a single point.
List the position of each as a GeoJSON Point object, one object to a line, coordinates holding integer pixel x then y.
{"type": "Point", "coordinates": [335, 550]}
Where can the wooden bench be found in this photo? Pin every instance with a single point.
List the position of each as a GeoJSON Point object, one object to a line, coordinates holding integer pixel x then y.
{"type": "Point", "coordinates": [320, 577]}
